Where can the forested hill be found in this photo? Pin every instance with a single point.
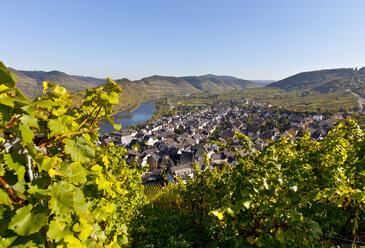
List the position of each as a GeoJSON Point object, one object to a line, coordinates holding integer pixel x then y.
{"type": "Point", "coordinates": [31, 82]}
{"type": "Point", "coordinates": [324, 80]}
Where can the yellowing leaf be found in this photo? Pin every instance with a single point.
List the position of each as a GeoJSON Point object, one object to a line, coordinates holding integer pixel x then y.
{"type": "Point", "coordinates": [73, 242]}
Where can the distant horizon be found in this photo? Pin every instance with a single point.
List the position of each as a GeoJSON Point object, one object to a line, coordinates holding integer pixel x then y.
{"type": "Point", "coordinates": [206, 74]}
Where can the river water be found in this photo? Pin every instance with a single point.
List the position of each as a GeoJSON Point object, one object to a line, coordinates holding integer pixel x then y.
{"type": "Point", "coordinates": [143, 113]}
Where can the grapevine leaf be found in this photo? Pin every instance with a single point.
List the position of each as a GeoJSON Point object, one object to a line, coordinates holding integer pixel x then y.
{"type": "Point", "coordinates": [117, 126]}
{"type": "Point", "coordinates": [27, 134]}
{"type": "Point", "coordinates": [358, 196]}
{"type": "Point", "coordinates": [4, 198]}
{"type": "Point", "coordinates": [46, 103]}
{"type": "Point", "coordinates": [58, 230]}
{"type": "Point", "coordinates": [20, 95]}
{"type": "Point", "coordinates": [86, 229]}
{"type": "Point", "coordinates": [78, 174]}
{"type": "Point", "coordinates": [61, 198]}
{"type": "Point", "coordinates": [6, 76]}
{"type": "Point", "coordinates": [6, 242]}
{"type": "Point", "coordinates": [57, 127]}
{"type": "Point", "coordinates": [33, 189]}
{"type": "Point", "coordinates": [73, 242]}
{"type": "Point", "coordinates": [80, 204]}
{"type": "Point", "coordinates": [15, 162]}
{"type": "Point", "coordinates": [29, 121]}
{"type": "Point", "coordinates": [4, 100]}
{"type": "Point", "coordinates": [26, 221]}
{"type": "Point", "coordinates": [113, 98]}
{"type": "Point", "coordinates": [79, 148]}
{"type": "Point", "coordinates": [19, 186]}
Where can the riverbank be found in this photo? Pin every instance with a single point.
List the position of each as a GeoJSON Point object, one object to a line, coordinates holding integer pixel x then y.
{"type": "Point", "coordinates": [144, 112]}
{"type": "Point", "coordinates": [127, 108]}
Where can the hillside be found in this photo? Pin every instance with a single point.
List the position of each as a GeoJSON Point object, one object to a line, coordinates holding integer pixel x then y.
{"type": "Point", "coordinates": [154, 87]}
{"type": "Point", "coordinates": [31, 82]}
{"type": "Point", "coordinates": [165, 86]}
{"type": "Point", "coordinates": [324, 81]}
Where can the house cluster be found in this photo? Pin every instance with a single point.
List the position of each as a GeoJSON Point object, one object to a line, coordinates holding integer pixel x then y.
{"type": "Point", "coordinates": [295, 126]}
{"type": "Point", "coordinates": [174, 145]}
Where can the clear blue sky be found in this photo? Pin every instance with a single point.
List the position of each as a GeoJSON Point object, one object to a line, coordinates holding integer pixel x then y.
{"type": "Point", "coordinates": [263, 39]}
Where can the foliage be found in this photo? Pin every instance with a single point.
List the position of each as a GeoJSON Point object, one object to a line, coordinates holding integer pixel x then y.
{"type": "Point", "coordinates": [295, 193]}
{"type": "Point", "coordinates": [58, 188]}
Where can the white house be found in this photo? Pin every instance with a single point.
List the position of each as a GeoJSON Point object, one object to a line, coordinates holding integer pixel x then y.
{"type": "Point", "coordinates": [318, 117]}
{"type": "Point", "coordinates": [182, 171]}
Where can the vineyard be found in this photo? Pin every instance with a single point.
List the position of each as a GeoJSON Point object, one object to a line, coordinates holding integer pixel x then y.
{"type": "Point", "coordinates": [59, 189]}
{"type": "Point", "coordinates": [152, 190]}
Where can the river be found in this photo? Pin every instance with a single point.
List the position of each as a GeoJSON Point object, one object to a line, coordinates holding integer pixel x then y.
{"type": "Point", "coordinates": [143, 113]}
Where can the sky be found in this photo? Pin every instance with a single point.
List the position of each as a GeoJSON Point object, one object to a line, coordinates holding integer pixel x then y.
{"type": "Point", "coordinates": [263, 39]}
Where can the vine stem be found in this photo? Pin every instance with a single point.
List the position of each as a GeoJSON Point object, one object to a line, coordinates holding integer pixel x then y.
{"type": "Point", "coordinates": [92, 123]}
{"type": "Point", "coordinates": [75, 133]}
{"type": "Point", "coordinates": [10, 191]}
{"type": "Point", "coordinates": [67, 135]}
{"type": "Point", "coordinates": [13, 120]}
{"type": "Point", "coordinates": [6, 186]}
{"type": "Point", "coordinates": [87, 117]}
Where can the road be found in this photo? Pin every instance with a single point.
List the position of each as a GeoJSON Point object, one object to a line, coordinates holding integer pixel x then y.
{"type": "Point", "coordinates": [360, 99]}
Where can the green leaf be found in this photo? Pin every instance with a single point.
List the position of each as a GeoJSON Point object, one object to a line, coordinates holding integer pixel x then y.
{"type": "Point", "coordinates": [29, 121]}
{"type": "Point", "coordinates": [104, 98]}
{"type": "Point", "coordinates": [27, 134]}
{"type": "Point", "coordinates": [26, 221]}
{"type": "Point", "coordinates": [61, 198]}
{"type": "Point", "coordinates": [6, 242]}
{"type": "Point", "coordinates": [57, 127]}
{"type": "Point", "coordinates": [117, 126]}
{"type": "Point", "coordinates": [7, 101]}
{"type": "Point", "coordinates": [19, 186]}
{"type": "Point", "coordinates": [46, 103]}
{"type": "Point", "coordinates": [15, 162]}
{"type": "Point", "coordinates": [80, 205]}
{"type": "Point", "coordinates": [80, 149]}
{"type": "Point", "coordinates": [78, 174]}
{"type": "Point", "coordinates": [85, 229]}
{"type": "Point", "coordinates": [20, 95]}
{"type": "Point", "coordinates": [358, 196]}
{"type": "Point", "coordinates": [73, 242]}
{"type": "Point", "coordinates": [57, 230]}
{"type": "Point", "coordinates": [6, 76]}
{"type": "Point", "coordinates": [113, 98]}
{"type": "Point", "coordinates": [4, 198]}
{"type": "Point", "coordinates": [2, 170]}
{"type": "Point", "coordinates": [33, 189]}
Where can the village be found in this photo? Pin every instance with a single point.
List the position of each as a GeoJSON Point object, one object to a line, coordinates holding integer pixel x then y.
{"type": "Point", "coordinates": [171, 146]}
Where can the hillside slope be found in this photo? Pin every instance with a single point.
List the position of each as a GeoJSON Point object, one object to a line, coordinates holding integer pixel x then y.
{"type": "Point", "coordinates": [154, 87]}
{"type": "Point", "coordinates": [31, 82]}
{"type": "Point", "coordinates": [324, 80]}
{"type": "Point", "coordinates": [159, 86]}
